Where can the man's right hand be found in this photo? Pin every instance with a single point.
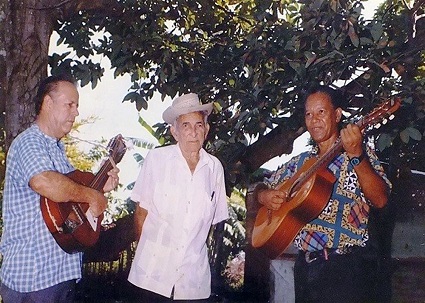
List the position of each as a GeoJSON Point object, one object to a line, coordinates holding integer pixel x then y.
{"type": "Point", "coordinates": [271, 198]}
{"type": "Point", "coordinates": [98, 203]}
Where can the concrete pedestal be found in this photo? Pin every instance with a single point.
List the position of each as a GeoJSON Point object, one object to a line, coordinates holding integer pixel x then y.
{"type": "Point", "coordinates": [282, 280]}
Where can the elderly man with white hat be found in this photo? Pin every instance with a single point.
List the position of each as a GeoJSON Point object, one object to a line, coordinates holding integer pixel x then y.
{"type": "Point", "coordinates": [180, 193]}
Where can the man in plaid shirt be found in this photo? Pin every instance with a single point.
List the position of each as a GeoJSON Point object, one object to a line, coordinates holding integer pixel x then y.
{"type": "Point", "coordinates": [34, 267]}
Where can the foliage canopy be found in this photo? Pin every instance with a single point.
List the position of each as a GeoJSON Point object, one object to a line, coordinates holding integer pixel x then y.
{"type": "Point", "coordinates": [254, 59]}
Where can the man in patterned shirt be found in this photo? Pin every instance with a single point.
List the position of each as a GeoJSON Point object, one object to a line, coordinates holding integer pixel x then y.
{"type": "Point", "coordinates": [331, 265]}
{"type": "Point", "coordinates": [34, 267]}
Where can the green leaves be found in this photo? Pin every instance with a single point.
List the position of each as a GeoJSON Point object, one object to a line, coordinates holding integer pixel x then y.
{"type": "Point", "coordinates": [410, 133]}
{"type": "Point", "coordinates": [254, 59]}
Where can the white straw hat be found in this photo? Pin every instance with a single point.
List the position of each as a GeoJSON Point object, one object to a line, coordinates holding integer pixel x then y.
{"type": "Point", "coordinates": [185, 104]}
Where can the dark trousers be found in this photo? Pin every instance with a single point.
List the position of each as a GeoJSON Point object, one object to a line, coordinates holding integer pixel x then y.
{"type": "Point", "coordinates": [61, 293]}
{"type": "Point", "coordinates": [349, 278]}
{"type": "Point", "coordinates": [140, 295]}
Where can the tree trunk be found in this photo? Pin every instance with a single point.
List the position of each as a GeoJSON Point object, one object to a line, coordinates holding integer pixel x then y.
{"type": "Point", "coordinates": [27, 32]}
{"type": "Point", "coordinates": [27, 26]}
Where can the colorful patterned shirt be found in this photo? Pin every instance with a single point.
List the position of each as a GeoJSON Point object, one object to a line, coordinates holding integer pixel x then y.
{"type": "Point", "coordinates": [343, 222]}
{"type": "Point", "coordinates": [32, 260]}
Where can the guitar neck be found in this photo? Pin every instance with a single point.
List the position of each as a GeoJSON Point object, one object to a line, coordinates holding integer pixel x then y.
{"type": "Point", "coordinates": [102, 176]}
{"type": "Point", "coordinates": [321, 162]}
{"type": "Point", "coordinates": [325, 159]}
{"type": "Point", "coordinates": [116, 149]}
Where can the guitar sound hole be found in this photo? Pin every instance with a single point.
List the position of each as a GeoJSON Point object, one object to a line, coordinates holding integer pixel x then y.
{"type": "Point", "coordinates": [293, 191]}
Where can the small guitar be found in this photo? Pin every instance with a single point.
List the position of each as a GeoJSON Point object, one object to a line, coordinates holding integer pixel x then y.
{"type": "Point", "coordinates": [308, 191]}
{"type": "Point", "coordinates": [71, 223]}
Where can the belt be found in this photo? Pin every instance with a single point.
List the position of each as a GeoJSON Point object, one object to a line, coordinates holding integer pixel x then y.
{"type": "Point", "coordinates": [325, 254]}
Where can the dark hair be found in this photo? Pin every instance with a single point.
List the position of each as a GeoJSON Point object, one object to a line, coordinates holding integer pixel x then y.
{"type": "Point", "coordinates": [334, 95]}
{"type": "Point", "coordinates": [47, 85]}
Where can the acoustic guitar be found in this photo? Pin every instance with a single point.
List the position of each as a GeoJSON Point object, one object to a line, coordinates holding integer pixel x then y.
{"type": "Point", "coordinates": [308, 191]}
{"type": "Point", "coordinates": [71, 223]}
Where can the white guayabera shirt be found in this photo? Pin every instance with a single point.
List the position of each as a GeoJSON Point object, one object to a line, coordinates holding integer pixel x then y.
{"type": "Point", "coordinates": [181, 207]}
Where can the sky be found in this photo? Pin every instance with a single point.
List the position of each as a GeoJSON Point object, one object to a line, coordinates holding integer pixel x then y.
{"type": "Point", "coordinates": [117, 117]}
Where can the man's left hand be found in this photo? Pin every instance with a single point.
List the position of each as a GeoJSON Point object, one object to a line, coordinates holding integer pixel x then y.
{"type": "Point", "coordinates": [112, 181]}
{"type": "Point", "coordinates": [352, 138]}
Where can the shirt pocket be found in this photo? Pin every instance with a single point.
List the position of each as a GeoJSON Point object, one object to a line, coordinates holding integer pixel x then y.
{"type": "Point", "coordinates": [202, 207]}
{"type": "Point", "coordinates": [166, 199]}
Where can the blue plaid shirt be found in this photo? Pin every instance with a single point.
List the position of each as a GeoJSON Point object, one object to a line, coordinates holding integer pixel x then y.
{"type": "Point", "coordinates": [32, 260]}
{"type": "Point", "coordinates": [344, 220]}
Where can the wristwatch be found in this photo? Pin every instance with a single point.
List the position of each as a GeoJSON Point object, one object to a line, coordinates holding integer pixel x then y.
{"type": "Point", "coordinates": [356, 160]}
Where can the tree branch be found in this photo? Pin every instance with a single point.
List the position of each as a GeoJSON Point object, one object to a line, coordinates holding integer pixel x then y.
{"type": "Point", "coordinates": [49, 7]}
{"type": "Point", "coordinates": [278, 142]}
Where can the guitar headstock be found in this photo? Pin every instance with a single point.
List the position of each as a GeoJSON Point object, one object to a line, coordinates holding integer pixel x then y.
{"type": "Point", "coordinates": [381, 113]}
{"type": "Point", "coordinates": [116, 148]}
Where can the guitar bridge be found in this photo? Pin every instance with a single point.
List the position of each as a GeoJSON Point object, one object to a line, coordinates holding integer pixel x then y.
{"type": "Point", "coordinates": [69, 226]}
{"type": "Point", "coordinates": [73, 221]}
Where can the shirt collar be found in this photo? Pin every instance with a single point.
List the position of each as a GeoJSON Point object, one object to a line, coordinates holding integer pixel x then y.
{"type": "Point", "coordinates": [50, 140]}
{"type": "Point", "coordinates": [204, 157]}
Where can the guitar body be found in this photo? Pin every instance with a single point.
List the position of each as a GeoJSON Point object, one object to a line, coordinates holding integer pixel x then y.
{"type": "Point", "coordinates": [67, 221]}
{"type": "Point", "coordinates": [274, 231]}
{"type": "Point", "coordinates": [71, 226]}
